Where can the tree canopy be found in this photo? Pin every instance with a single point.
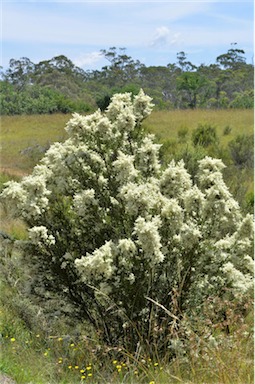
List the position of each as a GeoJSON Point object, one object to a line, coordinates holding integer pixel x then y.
{"type": "Point", "coordinates": [228, 83]}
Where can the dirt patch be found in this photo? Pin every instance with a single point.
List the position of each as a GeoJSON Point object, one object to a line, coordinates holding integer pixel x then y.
{"type": "Point", "coordinates": [4, 379]}
{"type": "Point", "coordinates": [13, 172]}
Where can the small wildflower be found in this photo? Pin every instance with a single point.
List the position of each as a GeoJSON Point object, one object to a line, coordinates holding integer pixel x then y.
{"type": "Point", "coordinates": [60, 339]}
{"type": "Point", "coordinates": [83, 377]}
{"type": "Point", "coordinates": [37, 336]}
{"type": "Point", "coordinates": [13, 339]}
{"type": "Point", "coordinates": [76, 367]}
{"type": "Point", "coordinates": [114, 362]}
{"type": "Point", "coordinates": [88, 368]}
{"type": "Point", "coordinates": [72, 345]}
{"type": "Point", "coordinates": [155, 364]}
{"type": "Point", "coordinates": [152, 382]}
{"type": "Point", "coordinates": [136, 372]}
{"type": "Point", "coordinates": [69, 367]}
{"type": "Point", "coordinates": [89, 374]}
{"type": "Point", "coordinates": [82, 370]}
{"type": "Point", "coordinates": [45, 353]}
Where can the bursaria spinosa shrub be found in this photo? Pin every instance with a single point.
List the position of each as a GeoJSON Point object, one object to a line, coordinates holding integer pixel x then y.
{"type": "Point", "coordinates": [119, 237]}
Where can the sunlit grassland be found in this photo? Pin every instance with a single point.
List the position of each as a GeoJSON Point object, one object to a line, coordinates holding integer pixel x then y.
{"type": "Point", "coordinates": [166, 124]}
{"type": "Point", "coordinates": [20, 132]}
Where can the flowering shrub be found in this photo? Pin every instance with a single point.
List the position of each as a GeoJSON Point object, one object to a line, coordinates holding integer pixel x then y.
{"type": "Point", "coordinates": [124, 240]}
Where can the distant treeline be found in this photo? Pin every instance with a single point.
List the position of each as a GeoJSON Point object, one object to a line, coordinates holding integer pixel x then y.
{"type": "Point", "coordinates": [57, 85]}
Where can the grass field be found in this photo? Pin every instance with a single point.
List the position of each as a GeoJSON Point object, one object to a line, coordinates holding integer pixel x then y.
{"type": "Point", "coordinates": [167, 124]}
{"type": "Point", "coordinates": [21, 132]}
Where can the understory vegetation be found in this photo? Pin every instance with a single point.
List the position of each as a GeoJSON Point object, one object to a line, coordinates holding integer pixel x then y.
{"type": "Point", "coordinates": [126, 260]}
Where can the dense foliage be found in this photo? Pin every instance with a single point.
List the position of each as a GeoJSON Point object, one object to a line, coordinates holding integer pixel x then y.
{"type": "Point", "coordinates": [57, 85]}
{"type": "Point", "coordinates": [128, 245]}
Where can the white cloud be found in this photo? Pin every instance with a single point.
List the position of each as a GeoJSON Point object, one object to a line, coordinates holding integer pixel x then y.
{"type": "Point", "coordinates": [88, 59]}
{"type": "Point", "coordinates": [161, 37]}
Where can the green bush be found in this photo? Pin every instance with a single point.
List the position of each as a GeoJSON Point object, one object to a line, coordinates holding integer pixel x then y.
{"type": "Point", "coordinates": [37, 100]}
{"type": "Point", "coordinates": [227, 130]}
{"type": "Point", "coordinates": [242, 151]}
{"type": "Point", "coordinates": [204, 135]}
{"type": "Point", "coordinates": [243, 100]}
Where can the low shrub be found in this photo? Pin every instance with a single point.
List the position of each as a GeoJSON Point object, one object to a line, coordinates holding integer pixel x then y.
{"type": "Point", "coordinates": [204, 135]}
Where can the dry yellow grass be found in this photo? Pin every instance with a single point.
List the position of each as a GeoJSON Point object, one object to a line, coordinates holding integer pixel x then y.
{"type": "Point", "coordinates": [166, 124]}
{"type": "Point", "coordinates": [20, 132]}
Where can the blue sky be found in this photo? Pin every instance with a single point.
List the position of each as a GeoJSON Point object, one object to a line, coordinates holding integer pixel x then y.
{"type": "Point", "coordinates": [151, 31]}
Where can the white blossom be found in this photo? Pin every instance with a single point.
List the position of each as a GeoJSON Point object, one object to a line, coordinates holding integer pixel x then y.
{"type": "Point", "coordinates": [175, 180]}
{"type": "Point", "coordinates": [39, 236]}
{"type": "Point", "coordinates": [140, 198]}
{"type": "Point", "coordinates": [98, 264]}
{"type": "Point", "coordinates": [240, 283]}
{"type": "Point", "coordinates": [142, 106]}
{"type": "Point", "coordinates": [149, 238]}
{"type": "Point", "coordinates": [84, 200]}
{"type": "Point", "coordinates": [148, 156]}
{"type": "Point", "coordinates": [124, 168]}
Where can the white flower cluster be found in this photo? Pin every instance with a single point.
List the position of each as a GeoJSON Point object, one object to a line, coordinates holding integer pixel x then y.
{"type": "Point", "coordinates": [149, 238]}
{"type": "Point", "coordinates": [97, 265]}
{"type": "Point", "coordinates": [39, 236]}
{"type": "Point", "coordinates": [140, 198]}
{"type": "Point", "coordinates": [148, 156]}
{"type": "Point", "coordinates": [83, 201]}
{"type": "Point", "coordinates": [30, 197]}
{"type": "Point", "coordinates": [124, 168]}
{"type": "Point", "coordinates": [175, 179]}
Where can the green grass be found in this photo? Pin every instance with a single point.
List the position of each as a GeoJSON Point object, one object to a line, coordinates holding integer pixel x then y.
{"type": "Point", "coordinates": [167, 124]}
{"type": "Point", "coordinates": [20, 132]}
{"type": "Point", "coordinates": [65, 355]}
